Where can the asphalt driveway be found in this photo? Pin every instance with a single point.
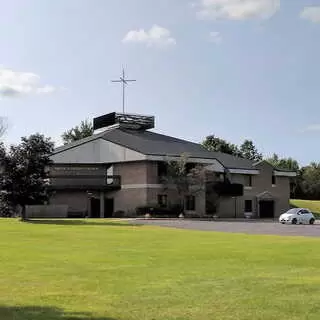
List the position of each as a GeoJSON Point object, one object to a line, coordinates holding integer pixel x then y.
{"type": "Point", "coordinates": [248, 227]}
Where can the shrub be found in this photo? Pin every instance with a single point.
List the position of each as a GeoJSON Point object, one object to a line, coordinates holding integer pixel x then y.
{"type": "Point", "coordinates": [6, 211]}
{"type": "Point", "coordinates": [119, 214]}
{"type": "Point", "coordinates": [76, 214]}
{"type": "Point", "coordinates": [171, 211]}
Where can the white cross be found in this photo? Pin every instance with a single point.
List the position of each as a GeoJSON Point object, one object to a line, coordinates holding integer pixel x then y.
{"type": "Point", "coordinates": [124, 82]}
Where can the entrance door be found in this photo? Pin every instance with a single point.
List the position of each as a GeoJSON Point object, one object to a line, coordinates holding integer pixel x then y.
{"type": "Point", "coordinates": [266, 209]}
{"type": "Point", "coordinates": [108, 208]}
{"type": "Point", "coordinates": [95, 208]}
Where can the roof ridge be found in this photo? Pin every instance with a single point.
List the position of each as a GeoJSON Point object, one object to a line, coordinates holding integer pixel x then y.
{"type": "Point", "coordinates": [153, 143]}
{"type": "Point", "coordinates": [160, 134]}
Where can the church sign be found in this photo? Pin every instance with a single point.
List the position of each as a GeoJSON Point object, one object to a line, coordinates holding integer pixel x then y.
{"type": "Point", "coordinates": [78, 171]}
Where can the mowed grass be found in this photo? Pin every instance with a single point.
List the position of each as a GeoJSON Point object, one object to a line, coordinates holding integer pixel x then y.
{"type": "Point", "coordinates": [100, 270]}
{"type": "Point", "coordinates": [313, 206]}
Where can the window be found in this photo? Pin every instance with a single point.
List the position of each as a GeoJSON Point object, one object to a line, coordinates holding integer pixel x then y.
{"type": "Point", "coordinates": [162, 200]}
{"type": "Point", "coordinates": [274, 180]}
{"type": "Point", "coordinates": [190, 167]}
{"type": "Point", "coordinates": [162, 170]}
{"type": "Point", "coordinates": [293, 187]}
{"type": "Point", "coordinates": [220, 177]}
{"type": "Point", "coordinates": [248, 206]}
{"type": "Point", "coordinates": [190, 203]}
{"type": "Point", "coordinates": [248, 181]}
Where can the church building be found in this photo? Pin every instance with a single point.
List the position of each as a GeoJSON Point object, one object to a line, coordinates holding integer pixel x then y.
{"type": "Point", "coordinates": [119, 168]}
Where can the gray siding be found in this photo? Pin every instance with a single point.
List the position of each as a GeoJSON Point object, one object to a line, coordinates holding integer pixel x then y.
{"type": "Point", "coordinates": [97, 151]}
{"type": "Point", "coordinates": [260, 183]}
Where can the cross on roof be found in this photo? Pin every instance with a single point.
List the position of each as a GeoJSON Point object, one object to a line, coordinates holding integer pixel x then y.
{"type": "Point", "coordinates": [124, 82]}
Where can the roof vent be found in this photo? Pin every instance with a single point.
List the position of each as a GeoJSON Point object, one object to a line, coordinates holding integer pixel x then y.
{"type": "Point", "coordinates": [124, 120]}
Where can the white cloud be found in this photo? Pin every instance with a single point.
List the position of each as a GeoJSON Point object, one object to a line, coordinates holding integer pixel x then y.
{"type": "Point", "coordinates": [14, 84]}
{"type": "Point", "coordinates": [215, 37]}
{"type": "Point", "coordinates": [156, 36]}
{"type": "Point", "coordinates": [312, 128]}
{"type": "Point", "coordinates": [236, 9]}
{"type": "Point", "coordinates": [311, 13]}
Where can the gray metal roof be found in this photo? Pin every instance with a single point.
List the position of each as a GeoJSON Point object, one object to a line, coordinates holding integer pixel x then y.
{"type": "Point", "coordinates": [151, 143]}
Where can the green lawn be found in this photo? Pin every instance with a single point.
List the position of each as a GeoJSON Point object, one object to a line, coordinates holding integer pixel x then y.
{"type": "Point", "coordinates": [313, 206]}
{"type": "Point", "coordinates": [103, 270]}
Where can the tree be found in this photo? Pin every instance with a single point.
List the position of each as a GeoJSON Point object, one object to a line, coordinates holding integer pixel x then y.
{"type": "Point", "coordinates": [249, 151]}
{"type": "Point", "coordinates": [212, 143]}
{"type": "Point", "coordinates": [25, 172]}
{"type": "Point", "coordinates": [84, 130]}
{"type": "Point", "coordinates": [3, 126]}
{"type": "Point", "coordinates": [274, 160]}
{"type": "Point", "coordinates": [6, 209]}
{"type": "Point", "coordinates": [186, 178]}
{"type": "Point", "coordinates": [310, 181]}
{"type": "Point", "coordinates": [284, 163]}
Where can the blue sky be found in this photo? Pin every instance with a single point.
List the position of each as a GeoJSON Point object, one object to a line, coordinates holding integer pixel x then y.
{"type": "Point", "coordinates": [234, 68]}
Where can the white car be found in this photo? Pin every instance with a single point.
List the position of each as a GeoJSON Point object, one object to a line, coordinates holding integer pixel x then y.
{"type": "Point", "coordinates": [297, 216]}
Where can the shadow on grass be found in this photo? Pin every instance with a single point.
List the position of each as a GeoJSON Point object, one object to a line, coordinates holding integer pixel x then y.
{"type": "Point", "coordinates": [83, 222]}
{"type": "Point", "coordinates": [43, 313]}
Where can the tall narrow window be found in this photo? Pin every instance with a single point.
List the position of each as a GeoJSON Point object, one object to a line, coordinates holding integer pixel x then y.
{"type": "Point", "coordinates": [190, 203]}
{"type": "Point", "coordinates": [248, 181]}
{"type": "Point", "coordinates": [274, 180]}
{"type": "Point", "coordinates": [162, 171]}
{"type": "Point", "coordinates": [248, 206]}
{"type": "Point", "coordinates": [162, 200]}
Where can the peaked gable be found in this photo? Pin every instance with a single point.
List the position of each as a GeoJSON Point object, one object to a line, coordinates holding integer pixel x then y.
{"type": "Point", "coordinates": [263, 164]}
{"type": "Point", "coordinates": [96, 151]}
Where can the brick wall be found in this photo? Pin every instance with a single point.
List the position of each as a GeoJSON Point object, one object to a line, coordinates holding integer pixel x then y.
{"type": "Point", "coordinates": [128, 200]}
{"type": "Point", "coordinates": [132, 172]}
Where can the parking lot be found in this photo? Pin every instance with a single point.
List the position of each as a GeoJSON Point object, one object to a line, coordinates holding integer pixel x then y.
{"type": "Point", "coordinates": [248, 227]}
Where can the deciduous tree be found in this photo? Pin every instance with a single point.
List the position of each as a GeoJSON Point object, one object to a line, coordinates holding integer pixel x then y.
{"type": "Point", "coordinates": [310, 181]}
{"type": "Point", "coordinates": [284, 163]}
{"type": "Point", "coordinates": [212, 143]}
{"type": "Point", "coordinates": [25, 172]}
{"type": "Point", "coordinates": [185, 178]}
{"type": "Point", "coordinates": [84, 130]}
{"type": "Point", "coordinates": [249, 151]}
